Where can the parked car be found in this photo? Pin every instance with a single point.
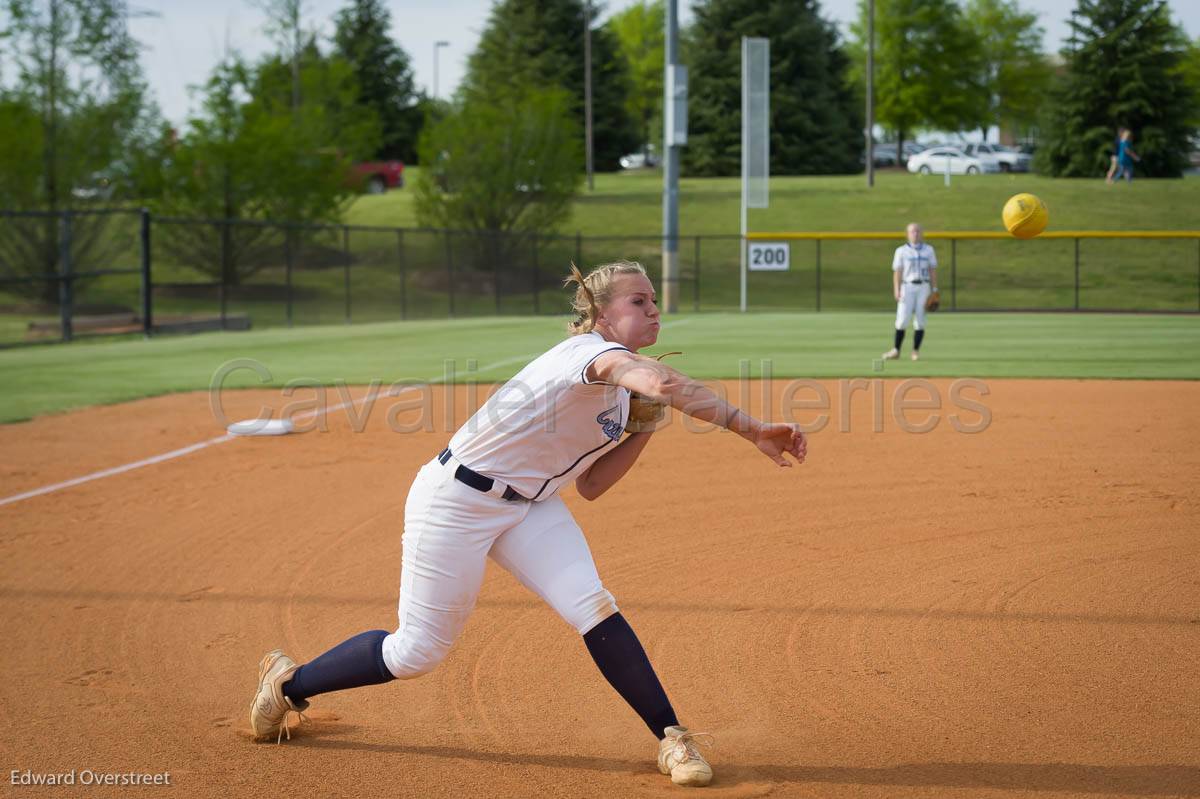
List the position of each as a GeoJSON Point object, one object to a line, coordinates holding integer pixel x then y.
{"type": "Point", "coordinates": [883, 154]}
{"type": "Point", "coordinates": [1006, 158]}
{"type": "Point", "coordinates": [935, 159]}
{"type": "Point", "coordinates": [97, 186]}
{"type": "Point", "coordinates": [646, 157]}
{"type": "Point", "coordinates": [376, 177]}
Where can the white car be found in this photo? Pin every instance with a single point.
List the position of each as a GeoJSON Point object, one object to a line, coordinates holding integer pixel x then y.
{"type": "Point", "coordinates": [647, 157]}
{"type": "Point", "coordinates": [1007, 159]}
{"type": "Point", "coordinates": [933, 161]}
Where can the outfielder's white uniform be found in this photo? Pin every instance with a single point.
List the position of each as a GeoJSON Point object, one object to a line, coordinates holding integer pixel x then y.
{"type": "Point", "coordinates": [539, 432]}
{"type": "Point", "coordinates": [915, 265]}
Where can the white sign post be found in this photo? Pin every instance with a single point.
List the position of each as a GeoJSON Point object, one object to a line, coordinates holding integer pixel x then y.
{"type": "Point", "coordinates": [756, 127]}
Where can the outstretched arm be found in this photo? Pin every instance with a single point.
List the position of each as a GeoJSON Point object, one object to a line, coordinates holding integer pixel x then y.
{"type": "Point", "coordinates": [661, 383]}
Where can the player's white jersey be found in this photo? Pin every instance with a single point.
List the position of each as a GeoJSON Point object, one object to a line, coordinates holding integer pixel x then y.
{"type": "Point", "coordinates": [547, 424]}
{"type": "Point", "coordinates": [914, 263]}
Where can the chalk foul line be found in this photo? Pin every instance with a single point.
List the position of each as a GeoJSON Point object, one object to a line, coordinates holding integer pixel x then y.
{"type": "Point", "coordinates": [371, 395]}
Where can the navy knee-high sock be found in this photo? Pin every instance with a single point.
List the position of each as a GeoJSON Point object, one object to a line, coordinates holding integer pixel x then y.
{"type": "Point", "coordinates": [899, 338]}
{"type": "Point", "coordinates": [616, 649]}
{"type": "Point", "coordinates": [918, 336]}
{"type": "Point", "coordinates": [354, 662]}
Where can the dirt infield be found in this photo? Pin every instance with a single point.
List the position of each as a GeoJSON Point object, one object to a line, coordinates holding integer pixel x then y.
{"type": "Point", "coordinates": [1010, 612]}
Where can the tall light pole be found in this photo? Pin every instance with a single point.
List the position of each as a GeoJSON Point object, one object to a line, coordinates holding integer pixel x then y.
{"type": "Point", "coordinates": [587, 90]}
{"type": "Point", "coordinates": [674, 137]}
{"type": "Point", "coordinates": [436, 47]}
{"type": "Point", "coordinates": [870, 131]}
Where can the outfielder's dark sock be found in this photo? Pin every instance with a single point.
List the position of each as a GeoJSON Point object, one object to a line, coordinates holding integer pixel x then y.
{"type": "Point", "coordinates": [354, 662]}
{"type": "Point", "coordinates": [616, 649]}
{"type": "Point", "coordinates": [918, 335]}
{"type": "Point", "coordinates": [899, 338]}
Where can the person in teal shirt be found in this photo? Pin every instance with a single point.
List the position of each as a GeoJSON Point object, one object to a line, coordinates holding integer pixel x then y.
{"type": "Point", "coordinates": [1126, 156]}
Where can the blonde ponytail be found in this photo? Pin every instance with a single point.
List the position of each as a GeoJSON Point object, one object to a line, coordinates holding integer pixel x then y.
{"type": "Point", "coordinates": [595, 291]}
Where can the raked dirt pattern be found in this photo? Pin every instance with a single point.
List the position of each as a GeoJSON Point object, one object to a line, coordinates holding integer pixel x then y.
{"type": "Point", "coordinates": [1014, 612]}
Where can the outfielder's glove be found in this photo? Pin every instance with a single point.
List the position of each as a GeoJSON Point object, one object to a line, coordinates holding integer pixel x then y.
{"type": "Point", "coordinates": [934, 301]}
{"type": "Point", "coordinates": [645, 413]}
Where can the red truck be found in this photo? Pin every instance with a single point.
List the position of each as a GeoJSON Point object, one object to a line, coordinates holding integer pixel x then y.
{"type": "Point", "coordinates": [376, 177]}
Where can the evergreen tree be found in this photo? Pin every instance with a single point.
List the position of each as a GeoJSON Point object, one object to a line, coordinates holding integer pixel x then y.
{"type": "Point", "coordinates": [534, 44]}
{"type": "Point", "coordinates": [928, 66]}
{"type": "Point", "coordinates": [816, 122]}
{"type": "Point", "coordinates": [1126, 69]}
{"type": "Point", "coordinates": [385, 76]}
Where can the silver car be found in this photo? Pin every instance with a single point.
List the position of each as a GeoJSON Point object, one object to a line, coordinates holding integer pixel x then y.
{"type": "Point", "coordinates": [1006, 158]}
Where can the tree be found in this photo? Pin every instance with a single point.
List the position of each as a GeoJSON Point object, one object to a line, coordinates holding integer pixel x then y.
{"type": "Point", "coordinates": [332, 114]}
{"type": "Point", "coordinates": [273, 142]}
{"type": "Point", "coordinates": [640, 36]}
{"type": "Point", "coordinates": [220, 170]}
{"type": "Point", "coordinates": [384, 74]}
{"type": "Point", "coordinates": [530, 44]}
{"type": "Point", "coordinates": [507, 167]}
{"type": "Point", "coordinates": [1189, 68]}
{"type": "Point", "coordinates": [816, 122]}
{"type": "Point", "coordinates": [285, 26]}
{"type": "Point", "coordinates": [74, 110]}
{"type": "Point", "coordinates": [1125, 70]}
{"type": "Point", "coordinates": [249, 156]}
{"type": "Point", "coordinates": [1014, 71]}
{"type": "Point", "coordinates": [927, 66]}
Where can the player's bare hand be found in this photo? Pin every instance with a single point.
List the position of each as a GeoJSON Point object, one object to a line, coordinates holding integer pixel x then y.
{"type": "Point", "coordinates": [777, 440]}
{"type": "Point", "coordinates": [896, 294]}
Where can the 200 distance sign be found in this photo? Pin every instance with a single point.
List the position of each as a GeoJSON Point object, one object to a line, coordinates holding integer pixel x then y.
{"type": "Point", "coordinates": [769, 256]}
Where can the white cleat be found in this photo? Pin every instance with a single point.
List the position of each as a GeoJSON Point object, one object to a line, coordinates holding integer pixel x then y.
{"type": "Point", "coordinates": [269, 710]}
{"type": "Point", "coordinates": [891, 354]}
{"type": "Point", "coordinates": [916, 356]}
{"type": "Point", "coordinates": [679, 757]}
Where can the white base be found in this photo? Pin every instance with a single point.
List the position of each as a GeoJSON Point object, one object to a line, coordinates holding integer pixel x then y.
{"type": "Point", "coordinates": [261, 427]}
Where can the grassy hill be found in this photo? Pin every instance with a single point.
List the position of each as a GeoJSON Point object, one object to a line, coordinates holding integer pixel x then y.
{"type": "Point", "coordinates": [629, 204]}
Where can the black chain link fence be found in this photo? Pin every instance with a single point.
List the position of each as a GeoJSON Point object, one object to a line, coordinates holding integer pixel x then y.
{"type": "Point", "coordinates": [79, 273]}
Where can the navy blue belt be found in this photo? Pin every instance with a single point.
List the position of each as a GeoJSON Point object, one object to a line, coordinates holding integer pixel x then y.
{"type": "Point", "coordinates": [476, 480]}
{"type": "Point", "coordinates": [916, 282]}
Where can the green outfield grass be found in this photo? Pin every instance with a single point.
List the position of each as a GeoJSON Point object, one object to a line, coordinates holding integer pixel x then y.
{"type": "Point", "coordinates": [46, 379]}
{"type": "Point", "coordinates": [1039, 274]}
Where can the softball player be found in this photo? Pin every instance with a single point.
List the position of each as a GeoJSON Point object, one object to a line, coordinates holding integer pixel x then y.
{"type": "Point", "coordinates": [494, 492]}
{"type": "Point", "coordinates": [914, 276]}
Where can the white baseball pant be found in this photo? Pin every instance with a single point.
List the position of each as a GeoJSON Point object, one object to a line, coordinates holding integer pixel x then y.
{"type": "Point", "coordinates": [912, 301]}
{"type": "Point", "coordinates": [450, 529]}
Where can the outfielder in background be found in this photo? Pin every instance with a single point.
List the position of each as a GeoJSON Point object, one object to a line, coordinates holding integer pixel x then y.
{"type": "Point", "coordinates": [494, 492]}
{"type": "Point", "coordinates": [914, 285]}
